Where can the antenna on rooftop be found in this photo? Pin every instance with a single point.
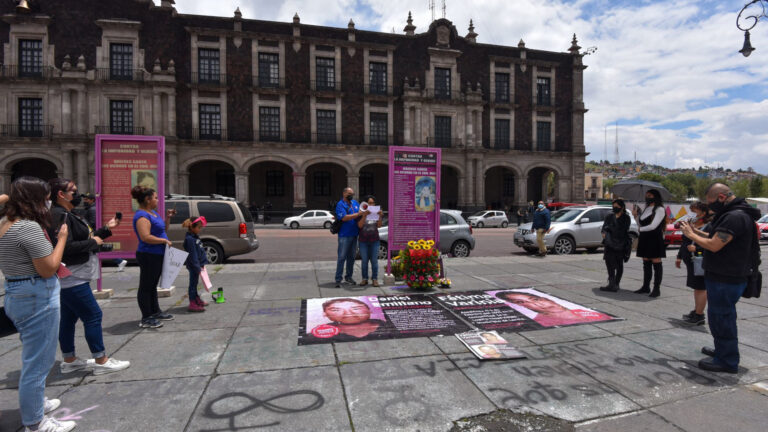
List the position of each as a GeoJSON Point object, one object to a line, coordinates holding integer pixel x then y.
{"type": "Point", "coordinates": [605, 145]}
{"type": "Point", "coordinates": [443, 9]}
{"type": "Point", "coordinates": [616, 149]}
{"type": "Point", "coordinates": [432, 8]}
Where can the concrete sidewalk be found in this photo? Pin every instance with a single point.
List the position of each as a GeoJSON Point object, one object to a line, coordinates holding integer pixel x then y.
{"type": "Point", "coordinates": [238, 366]}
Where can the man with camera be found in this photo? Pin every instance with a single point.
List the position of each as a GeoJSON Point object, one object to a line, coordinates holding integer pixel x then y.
{"type": "Point", "coordinates": [728, 252]}
{"type": "Point", "coordinates": [82, 266]}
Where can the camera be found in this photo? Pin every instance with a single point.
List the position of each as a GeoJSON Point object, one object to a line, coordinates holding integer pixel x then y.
{"type": "Point", "coordinates": [106, 247]}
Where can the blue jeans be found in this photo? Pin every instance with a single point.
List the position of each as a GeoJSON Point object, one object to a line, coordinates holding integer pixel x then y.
{"type": "Point", "coordinates": [194, 275]}
{"type": "Point", "coordinates": [721, 308]}
{"type": "Point", "coordinates": [33, 306]}
{"type": "Point", "coordinates": [345, 253]}
{"type": "Point", "coordinates": [369, 251]}
{"type": "Point", "coordinates": [78, 303]}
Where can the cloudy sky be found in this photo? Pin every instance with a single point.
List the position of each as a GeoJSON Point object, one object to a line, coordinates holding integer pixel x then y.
{"type": "Point", "coordinates": [667, 72]}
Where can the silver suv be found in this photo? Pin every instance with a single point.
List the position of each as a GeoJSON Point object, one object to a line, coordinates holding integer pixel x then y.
{"type": "Point", "coordinates": [229, 231]}
{"type": "Point", "coordinates": [571, 228]}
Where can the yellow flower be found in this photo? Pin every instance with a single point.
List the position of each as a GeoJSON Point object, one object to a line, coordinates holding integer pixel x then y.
{"type": "Point", "coordinates": [416, 247]}
{"type": "Point", "coordinates": [411, 243]}
{"type": "Point", "coordinates": [427, 247]}
{"type": "Point", "coordinates": [430, 242]}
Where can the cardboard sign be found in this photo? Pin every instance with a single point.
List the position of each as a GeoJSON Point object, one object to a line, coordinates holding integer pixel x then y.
{"type": "Point", "coordinates": [172, 264]}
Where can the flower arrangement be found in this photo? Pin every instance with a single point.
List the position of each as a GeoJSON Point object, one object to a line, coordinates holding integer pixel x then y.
{"type": "Point", "coordinates": [419, 263]}
{"type": "Point", "coordinates": [444, 282]}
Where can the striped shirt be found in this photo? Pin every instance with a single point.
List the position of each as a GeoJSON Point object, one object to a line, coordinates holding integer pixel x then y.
{"type": "Point", "coordinates": [23, 242]}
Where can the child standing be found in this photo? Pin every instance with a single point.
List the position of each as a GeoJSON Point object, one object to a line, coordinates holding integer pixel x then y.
{"type": "Point", "coordinates": [196, 260]}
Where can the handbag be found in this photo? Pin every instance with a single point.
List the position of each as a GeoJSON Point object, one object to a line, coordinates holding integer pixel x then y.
{"type": "Point", "coordinates": [698, 268]}
{"type": "Point", "coordinates": [755, 278]}
{"type": "Point", "coordinates": [336, 226]}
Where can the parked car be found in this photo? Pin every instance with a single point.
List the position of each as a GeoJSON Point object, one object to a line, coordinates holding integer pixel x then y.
{"type": "Point", "coordinates": [673, 236]}
{"type": "Point", "coordinates": [489, 218]}
{"type": "Point", "coordinates": [572, 228]}
{"type": "Point", "coordinates": [762, 225]}
{"type": "Point", "coordinates": [455, 235]}
{"type": "Point", "coordinates": [310, 219]}
{"type": "Point", "coordinates": [230, 229]}
{"type": "Point", "coordinates": [553, 206]}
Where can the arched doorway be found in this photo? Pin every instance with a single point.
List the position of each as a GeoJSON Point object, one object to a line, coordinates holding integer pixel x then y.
{"type": "Point", "coordinates": [324, 183]}
{"type": "Point", "coordinates": [36, 167]}
{"type": "Point", "coordinates": [271, 183]}
{"type": "Point", "coordinates": [212, 177]}
{"type": "Point", "coordinates": [500, 185]}
{"type": "Point", "coordinates": [374, 180]}
{"type": "Point", "coordinates": [449, 187]}
{"type": "Point", "coordinates": [542, 184]}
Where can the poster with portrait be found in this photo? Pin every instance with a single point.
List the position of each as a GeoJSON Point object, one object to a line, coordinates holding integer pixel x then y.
{"type": "Point", "coordinates": [485, 311]}
{"type": "Point", "coordinates": [489, 345]}
{"type": "Point", "coordinates": [349, 319]}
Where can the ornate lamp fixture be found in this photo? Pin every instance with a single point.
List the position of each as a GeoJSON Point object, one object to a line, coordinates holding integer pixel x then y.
{"type": "Point", "coordinates": [748, 19]}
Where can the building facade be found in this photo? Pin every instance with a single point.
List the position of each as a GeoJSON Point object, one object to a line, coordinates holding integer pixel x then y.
{"type": "Point", "coordinates": [593, 186]}
{"type": "Point", "coordinates": [286, 113]}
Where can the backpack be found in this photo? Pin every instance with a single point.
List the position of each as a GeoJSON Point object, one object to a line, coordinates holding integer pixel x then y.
{"type": "Point", "coordinates": [755, 278]}
{"type": "Point", "coordinates": [336, 226]}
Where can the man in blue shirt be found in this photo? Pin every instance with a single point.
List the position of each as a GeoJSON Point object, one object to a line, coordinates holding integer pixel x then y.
{"type": "Point", "coordinates": [541, 222]}
{"type": "Point", "coordinates": [347, 211]}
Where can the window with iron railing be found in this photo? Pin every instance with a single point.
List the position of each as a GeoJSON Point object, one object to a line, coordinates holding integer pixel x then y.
{"type": "Point", "coordinates": [326, 126]}
{"type": "Point", "coordinates": [210, 121]}
{"type": "Point", "coordinates": [269, 123]}
{"type": "Point", "coordinates": [30, 117]}
{"type": "Point", "coordinates": [501, 131]}
{"type": "Point", "coordinates": [325, 72]}
{"type": "Point", "coordinates": [121, 117]}
{"type": "Point", "coordinates": [377, 75]}
{"type": "Point", "coordinates": [442, 131]}
{"type": "Point", "coordinates": [366, 183]}
{"type": "Point", "coordinates": [502, 87]}
{"type": "Point", "coordinates": [321, 183]}
{"type": "Point", "coordinates": [275, 183]}
{"type": "Point", "coordinates": [30, 58]}
{"type": "Point", "coordinates": [543, 91]}
{"type": "Point", "coordinates": [120, 61]}
{"type": "Point", "coordinates": [442, 83]}
{"type": "Point", "coordinates": [543, 136]}
{"type": "Point", "coordinates": [269, 70]}
{"type": "Point", "coordinates": [509, 185]}
{"type": "Point", "coordinates": [378, 128]}
{"type": "Point", "coordinates": [208, 65]}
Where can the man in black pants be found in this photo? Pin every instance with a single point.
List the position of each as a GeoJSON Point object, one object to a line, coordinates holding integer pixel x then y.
{"type": "Point", "coordinates": [727, 252]}
{"type": "Point", "coordinates": [617, 244]}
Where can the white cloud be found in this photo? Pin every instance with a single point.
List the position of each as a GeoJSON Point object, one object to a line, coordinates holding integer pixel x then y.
{"type": "Point", "coordinates": [653, 60]}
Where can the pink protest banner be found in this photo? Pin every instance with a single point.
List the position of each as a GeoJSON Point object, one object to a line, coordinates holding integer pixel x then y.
{"type": "Point", "coordinates": [122, 162]}
{"type": "Point", "coordinates": [206, 280]}
{"type": "Point", "coordinates": [414, 196]}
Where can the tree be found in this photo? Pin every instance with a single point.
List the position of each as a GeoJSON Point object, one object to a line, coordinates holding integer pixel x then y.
{"type": "Point", "coordinates": [741, 188]}
{"type": "Point", "coordinates": [608, 185]}
{"type": "Point", "coordinates": [764, 188]}
{"type": "Point", "coordinates": [756, 186]}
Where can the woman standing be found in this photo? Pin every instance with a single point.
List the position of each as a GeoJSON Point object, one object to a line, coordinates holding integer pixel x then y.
{"type": "Point", "coordinates": [650, 246]}
{"type": "Point", "coordinates": [369, 244]}
{"type": "Point", "coordinates": [150, 230]}
{"type": "Point", "coordinates": [685, 255]}
{"type": "Point", "coordinates": [77, 301]}
{"type": "Point", "coordinates": [29, 263]}
{"type": "Point", "coordinates": [617, 244]}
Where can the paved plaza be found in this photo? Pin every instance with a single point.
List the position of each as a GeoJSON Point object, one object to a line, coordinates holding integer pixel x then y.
{"type": "Point", "coordinates": [238, 366]}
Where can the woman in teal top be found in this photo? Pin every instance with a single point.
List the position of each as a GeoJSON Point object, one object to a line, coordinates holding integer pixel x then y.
{"type": "Point", "coordinates": [150, 230]}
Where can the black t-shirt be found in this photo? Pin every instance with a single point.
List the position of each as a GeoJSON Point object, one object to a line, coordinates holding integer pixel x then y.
{"type": "Point", "coordinates": [731, 263]}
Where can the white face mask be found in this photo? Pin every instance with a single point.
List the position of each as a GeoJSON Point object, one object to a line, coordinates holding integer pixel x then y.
{"type": "Point", "coordinates": [48, 204]}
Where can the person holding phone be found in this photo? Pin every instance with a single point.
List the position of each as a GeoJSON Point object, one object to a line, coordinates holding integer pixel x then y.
{"type": "Point", "coordinates": [150, 230]}
{"type": "Point", "coordinates": [30, 263]}
{"type": "Point", "coordinates": [77, 301]}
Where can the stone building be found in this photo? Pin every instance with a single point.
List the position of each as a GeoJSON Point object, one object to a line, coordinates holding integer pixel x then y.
{"type": "Point", "coordinates": [286, 113]}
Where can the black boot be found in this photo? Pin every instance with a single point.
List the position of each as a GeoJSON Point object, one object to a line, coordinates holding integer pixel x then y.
{"type": "Point", "coordinates": [610, 287]}
{"type": "Point", "coordinates": [647, 274]}
{"type": "Point", "coordinates": [657, 274]}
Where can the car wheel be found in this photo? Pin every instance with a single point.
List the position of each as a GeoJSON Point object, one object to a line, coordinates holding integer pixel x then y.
{"type": "Point", "coordinates": [504, 224]}
{"type": "Point", "coordinates": [460, 249]}
{"type": "Point", "coordinates": [480, 225]}
{"type": "Point", "coordinates": [327, 225]}
{"type": "Point", "coordinates": [294, 225]}
{"type": "Point", "coordinates": [564, 245]}
{"type": "Point", "coordinates": [382, 250]}
{"type": "Point", "coordinates": [214, 252]}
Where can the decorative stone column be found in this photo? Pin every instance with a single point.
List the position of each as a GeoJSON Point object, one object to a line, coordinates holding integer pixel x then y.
{"type": "Point", "coordinates": [5, 181]}
{"type": "Point", "coordinates": [171, 114]}
{"type": "Point", "coordinates": [184, 183]}
{"type": "Point", "coordinates": [66, 111]}
{"type": "Point", "coordinates": [353, 181]}
{"type": "Point", "coordinates": [480, 183]}
{"type": "Point", "coordinates": [157, 115]}
{"type": "Point", "coordinates": [462, 192]}
{"type": "Point", "coordinates": [82, 169]}
{"type": "Point", "coordinates": [66, 165]}
{"type": "Point", "coordinates": [299, 190]}
{"type": "Point", "coordinates": [173, 173]}
{"type": "Point", "coordinates": [241, 186]}
{"type": "Point", "coordinates": [521, 192]}
{"type": "Point", "coordinates": [469, 184]}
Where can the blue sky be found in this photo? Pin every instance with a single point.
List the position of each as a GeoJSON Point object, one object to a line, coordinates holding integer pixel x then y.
{"type": "Point", "coordinates": [668, 72]}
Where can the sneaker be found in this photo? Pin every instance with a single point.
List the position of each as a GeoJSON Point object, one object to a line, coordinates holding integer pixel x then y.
{"type": "Point", "coordinates": [689, 314]}
{"type": "Point", "coordinates": [338, 284]}
{"type": "Point", "coordinates": [121, 266]}
{"type": "Point", "coordinates": [50, 405]}
{"type": "Point", "coordinates": [201, 302]}
{"type": "Point", "coordinates": [77, 365]}
{"type": "Point", "coordinates": [364, 282]}
{"type": "Point", "coordinates": [195, 307]}
{"type": "Point", "coordinates": [50, 424]}
{"type": "Point", "coordinates": [163, 316]}
{"type": "Point", "coordinates": [350, 281]}
{"type": "Point", "coordinates": [695, 319]}
{"type": "Point", "coordinates": [150, 323]}
{"type": "Point", "coordinates": [111, 365]}
{"type": "Point", "coordinates": [375, 283]}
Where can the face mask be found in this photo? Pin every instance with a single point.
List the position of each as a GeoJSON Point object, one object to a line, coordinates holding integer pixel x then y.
{"type": "Point", "coordinates": [649, 201]}
{"type": "Point", "coordinates": [48, 204]}
{"type": "Point", "coordinates": [617, 209]}
{"type": "Point", "coordinates": [350, 196]}
{"type": "Point", "coordinates": [541, 206]}
{"type": "Point", "coordinates": [717, 206]}
{"type": "Point", "coordinates": [76, 198]}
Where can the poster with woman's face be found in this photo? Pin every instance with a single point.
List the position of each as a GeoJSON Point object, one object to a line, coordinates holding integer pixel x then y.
{"type": "Point", "coordinates": [425, 192]}
{"type": "Point", "coordinates": [547, 310]}
{"type": "Point", "coordinates": [143, 177]}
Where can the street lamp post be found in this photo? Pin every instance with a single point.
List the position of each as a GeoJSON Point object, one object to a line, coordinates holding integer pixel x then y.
{"type": "Point", "coordinates": [748, 19]}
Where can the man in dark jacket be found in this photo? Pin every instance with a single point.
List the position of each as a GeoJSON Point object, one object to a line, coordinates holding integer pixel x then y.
{"type": "Point", "coordinates": [541, 222]}
{"type": "Point", "coordinates": [728, 249]}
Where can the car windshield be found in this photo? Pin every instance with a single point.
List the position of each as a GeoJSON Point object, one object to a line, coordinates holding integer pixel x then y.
{"type": "Point", "coordinates": [480, 213]}
{"type": "Point", "coordinates": [763, 219]}
{"type": "Point", "coordinates": [566, 215]}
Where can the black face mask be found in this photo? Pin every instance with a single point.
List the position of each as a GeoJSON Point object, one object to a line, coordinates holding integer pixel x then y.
{"type": "Point", "coordinates": [717, 206]}
{"type": "Point", "coordinates": [350, 196]}
{"type": "Point", "coordinates": [649, 201]}
{"type": "Point", "coordinates": [617, 210]}
{"type": "Point", "coordinates": [76, 199]}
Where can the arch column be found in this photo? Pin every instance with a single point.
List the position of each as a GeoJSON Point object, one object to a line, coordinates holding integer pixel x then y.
{"type": "Point", "coordinates": [462, 192]}
{"type": "Point", "coordinates": [241, 186]}
{"type": "Point", "coordinates": [468, 183]}
{"type": "Point", "coordinates": [184, 183]}
{"type": "Point", "coordinates": [173, 173]}
{"type": "Point", "coordinates": [299, 190]}
{"type": "Point", "coordinates": [67, 168]}
{"type": "Point", "coordinates": [82, 168]}
{"type": "Point", "coordinates": [353, 181]}
{"type": "Point", "coordinates": [521, 192]}
{"type": "Point", "coordinates": [5, 181]}
{"type": "Point", "coordinates": [479, 183]}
